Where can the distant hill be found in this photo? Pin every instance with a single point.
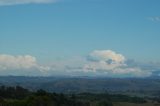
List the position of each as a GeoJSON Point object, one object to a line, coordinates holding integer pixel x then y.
{"type": "Point", "coordinates": [141, 86]}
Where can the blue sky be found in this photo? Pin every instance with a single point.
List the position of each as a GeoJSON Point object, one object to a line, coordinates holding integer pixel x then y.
{"type": "Point", "coordinates": [52, 31]}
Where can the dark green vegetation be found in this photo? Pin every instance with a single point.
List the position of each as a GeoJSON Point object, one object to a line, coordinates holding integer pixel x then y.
{"type": "Point", "coordinates": [69, 91]}
{"type": "Point", "coordinates": [18, 96]}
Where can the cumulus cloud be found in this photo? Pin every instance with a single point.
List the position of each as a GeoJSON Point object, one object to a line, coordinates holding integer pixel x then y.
{"type": "Point", "coordinates": [107, 55]}
{"type": "Point", "coordinates": [105, 60]}
{"type": "Point", "coordinates": [97, 63]}
{"type": "Point", "coordinates": [112, 63]}
{"type": "Point", "coordinates": [14, 2]}
{"type": "Point", "coordinates": [17, 62]}
{"type": "Point", "coordinates": [26, 62]}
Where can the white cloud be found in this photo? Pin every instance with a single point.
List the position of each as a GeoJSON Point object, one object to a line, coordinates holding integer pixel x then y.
{"type": "Point", "coordinates": [107, 55]}
{"type": "Point", "coordinates": [105, 60]}
{"type": "Point", "coordinates": [112, 63]}
{"type": "Point", "coordinates": [14, 2]}
{"type": "Point", "coordinates": [99, 62]}
{"type": "Point", "coordinates": [17, 62]}
{"type": "Point", "coordinates": [26, 62]}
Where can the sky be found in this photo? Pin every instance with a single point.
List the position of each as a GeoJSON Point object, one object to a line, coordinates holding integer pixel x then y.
{"type": "Point", "coordinates": [116, 38]}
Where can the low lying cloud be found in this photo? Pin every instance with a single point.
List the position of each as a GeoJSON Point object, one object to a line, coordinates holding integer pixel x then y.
{"type": "Point", "coordinates": [17, 62]}
{"type": "Point", "coordinates": [112, 63]}
{"type": "Point", "coordinates": [15, 2]}
{"type": "Point", "coordinates": [97, 63]}
{"type": "Point", "coordinates": [26, 62]}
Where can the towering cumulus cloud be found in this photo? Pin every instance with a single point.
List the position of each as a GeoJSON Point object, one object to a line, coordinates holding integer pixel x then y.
{"type": "Point", "coordinates": [111, 63]}
{"type": "Point", "coordinates": [105, 60]}
{"type": "Point", "coordinates": [14, 2]}
{"type": "Point", "coordinates": [107, 55]}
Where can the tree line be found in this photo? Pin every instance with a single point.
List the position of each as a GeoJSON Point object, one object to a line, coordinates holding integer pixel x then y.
{"type": "Point", "coordinates": [19, 96]}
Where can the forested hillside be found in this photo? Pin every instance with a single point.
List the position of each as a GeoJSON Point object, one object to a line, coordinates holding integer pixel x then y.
{"type": "Point", "coordinates": [18, 96]}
